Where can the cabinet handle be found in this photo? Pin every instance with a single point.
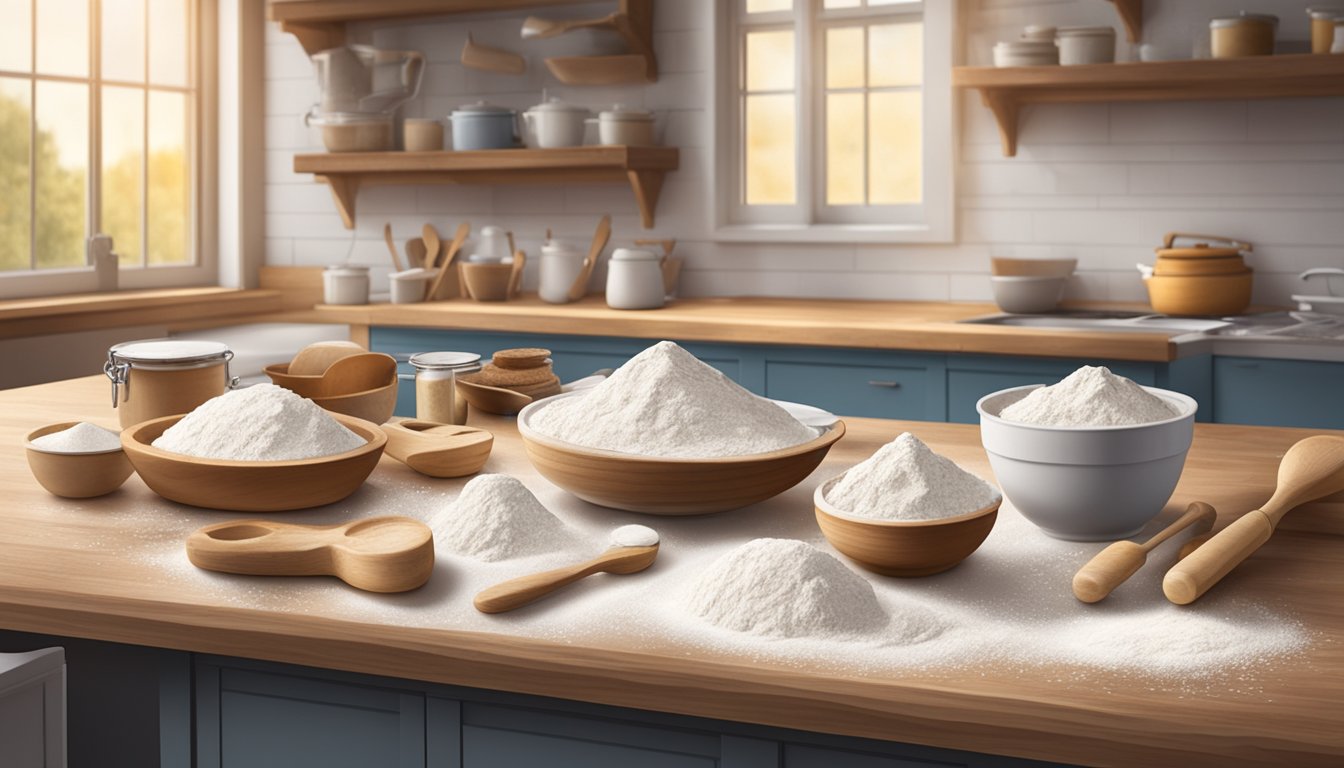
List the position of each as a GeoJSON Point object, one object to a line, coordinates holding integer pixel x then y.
{"type": "Point", "coordinates": [885, 384]}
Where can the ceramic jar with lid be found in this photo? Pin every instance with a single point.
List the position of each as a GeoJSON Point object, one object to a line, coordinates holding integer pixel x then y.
{"type": "Point", "coordinates": [561, 266]}
{"type": "Point", "coordinates": [1250, 34]}
{"type": "Point", "coordinates": [1323, 20]}
{"type": "Point", "coordinates": [165, 377]}
{"type": "Point", "coordinates": [627, 126]}
{"type": "Point", "coordinates": [345, 284]}
{"type": "Point", "coordinates": [1026, 53]}
{"type": "Point", "coordinates": [1086, 45]}
{"type": "Point", "coordinates": [554, 123]}
{"type": "Point", "coordinates": [635, 280]}
{"type": "Point", "coordinates": [352, 131]}
{"type": "Point", "coordinates": [437, 397]}
{"type": "Point", "coordinates": [483, 126]}
{"type": "Point", "coordinates": [422, 135]}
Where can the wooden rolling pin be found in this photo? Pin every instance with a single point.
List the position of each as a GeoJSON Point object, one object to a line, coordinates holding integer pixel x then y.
{"type": "Point", "coordinates": [1117, 562]}
{"type": "Point", "coordinates": [1313, 468]}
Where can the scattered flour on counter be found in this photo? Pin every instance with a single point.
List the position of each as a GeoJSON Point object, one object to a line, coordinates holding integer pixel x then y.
{"type": "Point", "coordinates": [905, 480]}
{"type": "Point", "coordinates": [259, 423]}
{"type": "Point", "coordinates": [664, 402]}
{"type": "Point", "coordinates": [1091, 396]}
{"type": "Point", "coordinates": [81, 438]}
{"type": "Point", "coordinates": [497, 518]}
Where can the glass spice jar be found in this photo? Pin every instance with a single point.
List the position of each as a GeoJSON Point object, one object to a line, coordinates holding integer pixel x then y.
{"type": "Point", "coordinates": [437, 397]}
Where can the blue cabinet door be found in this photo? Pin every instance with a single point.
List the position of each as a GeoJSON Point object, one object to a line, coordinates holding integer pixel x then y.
{"type": "Point", "coordinates": [1280, 393]}
{"type": "Point", "coordinates": [858, 383]}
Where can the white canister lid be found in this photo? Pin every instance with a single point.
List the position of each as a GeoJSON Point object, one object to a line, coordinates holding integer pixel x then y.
{"type": "Point", "coordinates": [1326, 12]}
{"type": "Point", "coordinates": [1038, 32]}
{"type": "Point", "coordinates": [482, 108]}
{"type": "Point", "coordinates": [444, 361]}
{"type": "Point", "coordinates": [347, 270]}
{"type": "Point", "coordinates": [1027, 47]}
{"type": "Point", "coordinates": [556, 247]}
{"type": "Point", "coordinates": [633, 254]}
{"type": "Point", "coordinates": [161, 351]}
{"type": "Point", "coordinates": [1086, 32]}
{"type": "Point", "coordinates": [1231, 21]}
{"type": "Point", "coordinates": [557, 105]}
{"type": "Point", "coordinates": [620, 112]}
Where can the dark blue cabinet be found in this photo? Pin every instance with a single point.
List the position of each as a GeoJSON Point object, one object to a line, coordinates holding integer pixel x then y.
{"type": "Point", "coordinates": [1281, 393]}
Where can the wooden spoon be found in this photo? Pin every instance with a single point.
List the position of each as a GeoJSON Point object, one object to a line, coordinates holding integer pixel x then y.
{"type": "Point", "coordinates": [1116, 563]}
{"type": "Point", "coordinates": [498, 400]}
{"type": "Point", "coordinates": [1312, 469]}
{"type": "Point", "coordinates": [600, 238]}
{"type": "Point", "coordinates": [316, 358]}
{"type": "Point", "coordinates": [437, 289]}
{"type": "Point", "coordinates": [415, 253]}
{"type": "Point", "coordinates": [438, 450]}
{"type": "Point", "coordinates": [476, 56]}
{"type": "Point", "coordinates": [378, 554]}
{"type": "Point", "coordinates": [391, 247]}
{"type": "Point", "coordinates": [433, 245]}
{"type": "Point", "coordinates": [627, 554]}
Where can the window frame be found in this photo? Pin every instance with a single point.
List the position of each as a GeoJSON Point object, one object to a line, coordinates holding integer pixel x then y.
{"type": "Point", "coordinates": [202, 135]}
{"type": "Point", "coordinates": [810, 219]}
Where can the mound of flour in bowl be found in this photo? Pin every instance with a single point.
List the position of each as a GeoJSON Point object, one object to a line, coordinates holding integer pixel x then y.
{"type": "Point", "coordinates": [905, 480]}
{"type": "Point", "coordinates": [259, 423]}
{"type": "Point", "coordinates": [664, 402]}
{"type": "Point", "coordinates": [1091, 396]}
{"type": "Point", "coordinates": [497, 518]}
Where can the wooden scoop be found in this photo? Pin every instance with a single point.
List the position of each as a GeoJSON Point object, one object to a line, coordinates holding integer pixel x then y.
{"type": "Point", "coordinates": [438, 450]}
{"type": "Point", "coordinates": [483, 57]}
{"type": "Point", "coordinates": [600, 238]}
{"type": "Point", "coordinates": [1116, 563]}
{"type": "Point", "coordinates": [378, 554]}
{"type": "Point", "coordinates": [536, 28]}
{"type": "Point", "coordinates": [498, 400]}
{"type": "Point", "coordinates": [316, 358]}
{"type": "Point", "coordinates": [619, 559]}
{"type": "Point", "coordinates": [1312, 469]}
{"type": "Point", "coordinates": [356, 373]}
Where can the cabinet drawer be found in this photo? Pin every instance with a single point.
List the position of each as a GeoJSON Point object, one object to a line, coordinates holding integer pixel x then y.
{"type": "Point", "coordinates": [887, 392]}
{"type": "Point", "coordinates": [1280, 393]}
{"type": "Point", "coordinates": [801, 756]}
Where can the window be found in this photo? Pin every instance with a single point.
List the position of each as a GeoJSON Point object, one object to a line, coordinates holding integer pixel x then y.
{"type": "Point", "coordinates": [100, 115]}
{"type": "Point", "coordinates": [835, 120]}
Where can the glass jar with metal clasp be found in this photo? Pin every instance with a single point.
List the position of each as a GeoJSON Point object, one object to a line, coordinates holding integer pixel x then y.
{"type": "Point", "coordinates": [164, 377]}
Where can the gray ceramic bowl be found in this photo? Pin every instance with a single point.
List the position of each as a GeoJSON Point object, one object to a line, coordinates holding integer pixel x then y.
{"type": "Point", "coordinates": [1086, 483]}
{"type": "Point", "coordinates": [1025, 295]}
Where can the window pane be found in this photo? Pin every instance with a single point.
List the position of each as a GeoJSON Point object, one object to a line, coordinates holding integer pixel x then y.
{"type": "Point", "coordinates": [123, 152]}
{"type": "Point", "coordinates": [844, 149]}
{"type": "Point", "coordinates": [168, 38]}
{"type": "Point", "coordinates": [169, 180]}
{"type": "Point", "coordinates": [16, 42]}
{"type": "Point", "coordinates": [62, 159]}
{"type": "Point", "coordinates": [895, 54]}
{"type": "Point", "coordinates": [63, 38]}
{"type": "Point", "coordinates": [123, 40]}
{"type": "Point", "coordinates": [15, 114]}
{"type": "Point", "coordinates": [829, 4]}
{"type": "Point", "coordinates": [766, 6]}
{"type": "Point", "coordinates": [844, 57]}
{"type": "Point", "coordinates": [770, 61]}
{"type": "Point", "coordinates": [770, 150]}
{"type": "Point", "coordinates": [894, 151]}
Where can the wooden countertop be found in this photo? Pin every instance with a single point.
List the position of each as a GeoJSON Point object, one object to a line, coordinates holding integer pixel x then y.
{"type": "Point", "coordinates": [114, 569]}
{"type": "Point", "coordinates": [165, 306]}
{"type": "Point", "coordinates": [903, 325]}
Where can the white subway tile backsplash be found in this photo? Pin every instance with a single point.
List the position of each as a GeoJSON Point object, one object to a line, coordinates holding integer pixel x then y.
{"type": "Point", "coordinates": [1171, 122]}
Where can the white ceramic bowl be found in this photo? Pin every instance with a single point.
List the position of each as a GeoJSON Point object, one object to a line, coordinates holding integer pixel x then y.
{"type": "Point", "coordinates": [1026, 295]}
{"type": "Point", "coordinates": [1086, 483]}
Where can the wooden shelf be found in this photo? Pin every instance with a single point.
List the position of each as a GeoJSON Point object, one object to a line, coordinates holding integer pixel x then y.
{"type": "Point", "coordinates": [642, 168]}
{"type": "Point", "coordinates": [1005, 89]}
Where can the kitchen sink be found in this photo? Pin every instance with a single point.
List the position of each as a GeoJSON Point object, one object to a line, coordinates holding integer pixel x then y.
{"type": "Point", "coordinates": [1268, 325]}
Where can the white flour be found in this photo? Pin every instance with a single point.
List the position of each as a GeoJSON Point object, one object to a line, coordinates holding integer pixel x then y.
{"type": "Point", "coordinates": [633, 536]}
{"type": "Point", "coordinates": [783, 588]}
{"type": "Point", "coordinates": [905, 480]}
{"type": "Point", "coordinates": [664, 402]}
{"type": "Point", "coordinates": [1091, 396]}
{"type": "Point", "coordinates": [497, 518]}
{"type": "Point", "coordinates": [81, 438]}
{"type": "Point", "coordinates": [259, 423]}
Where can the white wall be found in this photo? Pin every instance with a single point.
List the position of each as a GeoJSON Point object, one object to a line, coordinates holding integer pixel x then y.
{"type": "Point", "coordinates": [1097, 182]}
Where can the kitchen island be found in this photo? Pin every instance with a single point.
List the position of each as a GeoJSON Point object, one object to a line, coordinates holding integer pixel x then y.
{"type": "Point", "coordinates": [113, 569]}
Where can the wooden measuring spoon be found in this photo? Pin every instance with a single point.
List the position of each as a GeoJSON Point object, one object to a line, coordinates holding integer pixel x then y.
{"type": "Point", "coordinates": [600, 238]}
{"type": "Point", "coordinates": [633, 548]}
{"type": "Point", "coordinates": [433, 292]}
{"type": "Point", "coordinates": [391, 247]}
{"type": "Point", "coordinates": [498, 400]}
{"type": "Point", "coordinates": [1116, 563]}
{"type": "Point", "coordinates": [1313, 468]}
{"type": "Point", "coordinates": [438, 450]}
{"type": "Point", "coordinates": [377, 554]}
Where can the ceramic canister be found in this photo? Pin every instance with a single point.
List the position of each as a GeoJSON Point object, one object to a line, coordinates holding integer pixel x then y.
{"type": "Point", "coordinates": [555, 123]}
{"type": "Point", "coordinates": [635, 280]}
{"type": "Point", "coordinates": [165, 377]}
{"type": "Point", "coordinates": [561, 265]}
{"type": "Point", "coordinates": [483, 126]}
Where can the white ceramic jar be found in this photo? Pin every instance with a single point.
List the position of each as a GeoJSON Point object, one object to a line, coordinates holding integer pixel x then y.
{"type": "Point", "coordinates": [554, 123]}
{"type": "Point", "coordinates": [409, 286]}
{"type": "Point", "coordinates": [635, 280]}
{"type": "Point", "coordinates": [1026, 53]}
{"type": "Point", "coordinates": [561, 265]}
{"type": "Point", "coordinates": [345, 284]}
{"type": "Point", "coordinates": [1086, 45]}
{"type": "Point", "coordinates": [625, 126]}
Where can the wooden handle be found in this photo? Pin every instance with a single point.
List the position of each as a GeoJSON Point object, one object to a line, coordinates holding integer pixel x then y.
{"type": "Point", "coordinates": [1170, 239]}
{"type": "Point", "coordinates": [515, 593]}
{"type": "Point", "coordinates": [516, 277]}
{"type": "Point", "coordinates": [1194, 575]}
{"type": "Point", "coordinates": [1108, 570]}
{"type": "Point", "coordinates": [263, 547]}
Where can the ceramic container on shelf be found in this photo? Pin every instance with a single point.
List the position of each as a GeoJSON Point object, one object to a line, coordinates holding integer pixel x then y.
{"type": "Point", "coordinates": [635, 280]}
{"type": "Point", "coordinates": [554, 123]}
{"type": "Point", "coordinates": [626, 126]}
{"type": "Point", "coordinates": [483, 126]}
{"type": "Point", "coordinates": [1338, 45]}
{"type": "Point", "coordinates": [492, 247]}
{"type": "Point", "coordinates": [163, 377]}
{"type": "Point", "coordinates": [1250, 34]}
{"type": "Point", "coordinates": [347, 76]}
{"type": "Point", "coordinates": [408, 286]}
{"type": "Point", "coordinates": [345, 284]}
{"type": "Point", "coordinates": [561, 265]}
{"type": "Point", "coordinates": [352, 131]}
{"type": "Point", "coordinates": [1040, 33]}
{"type": "Point", "coordinates": [1323, 20]}
{"type": "Point", "coordinates": [1026, 53]}
{"type": "Point", "coordinates": [1086, 45]}
{"type": "Point", "coordinates": [420, 134]}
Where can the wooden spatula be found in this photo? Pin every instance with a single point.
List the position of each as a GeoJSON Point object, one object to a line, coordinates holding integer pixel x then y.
{"type": "Point", "coordinates": [623, 557]}
{"type": "Point", "coordinates": [1117, 562]}
{"type": "Point", "coordinates": [600, 238]}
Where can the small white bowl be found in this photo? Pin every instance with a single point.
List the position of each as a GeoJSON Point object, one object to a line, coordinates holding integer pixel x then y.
{"type": "Point", "coordinates": [1027, 295]}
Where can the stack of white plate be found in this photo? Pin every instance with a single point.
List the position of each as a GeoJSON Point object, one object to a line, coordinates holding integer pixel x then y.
{"type": "Point", "coordinates": [1036, 48]}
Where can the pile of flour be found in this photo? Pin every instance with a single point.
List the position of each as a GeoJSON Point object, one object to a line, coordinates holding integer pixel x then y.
{"type": "Point", "coordinates": [497, 518]}
{"type": "Point", "coordinates": [783, 588]}
{"type": "Point", "coordinates": [1091, 396]}
{"type": "Point", "coordinates": [81, 438]}
{"type": "Point", "coordinates": [905, 480]}
{"type": "Point", "coordinates": [664, 402]}
{"type": "Point", "coordinates": [258, 423]}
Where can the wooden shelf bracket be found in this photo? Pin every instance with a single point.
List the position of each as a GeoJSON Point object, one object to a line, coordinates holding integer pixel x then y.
{"type": "Point", "coordinates": [1131, 14]}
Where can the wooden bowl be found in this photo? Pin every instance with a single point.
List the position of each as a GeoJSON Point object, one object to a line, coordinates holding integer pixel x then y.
{"type": "Point", "coordinates": [1205, 295]}
{"type": "Point", "coordinates": [76, 475]}
{"type": "Point", "coordinates": [903, 547]}
{"type": "Point", "coordinates": [439, 450]}
{"type": "Point", "coordinates": [373, 405]}
{"type": "Point", "coordinates": [1006, 267]}
{"type": "Point", "coordinates": [362, 385]}
{"type": "Point", "coordinates": [484, 281]}
{"type": "Point", "coordinates": [252, 486]}
{"type": "Point", "coordinates": [670, 486]}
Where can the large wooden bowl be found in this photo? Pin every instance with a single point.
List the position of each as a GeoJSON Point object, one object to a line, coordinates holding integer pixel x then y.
{"type": "Point", "coordinates": [660, 486]}
{"type": "Point", "coordinates": [252, 486]}
{"type": "Point", "coordinates": [903, 547]}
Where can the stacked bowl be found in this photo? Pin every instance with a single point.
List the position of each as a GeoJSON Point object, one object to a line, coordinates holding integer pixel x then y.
{"type": "Point", "coordinates": [1199, 279]}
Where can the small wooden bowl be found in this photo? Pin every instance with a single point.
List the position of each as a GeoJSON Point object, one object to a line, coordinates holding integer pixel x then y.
{"type": "Point", "coordinates": [373, 405]}
{"type": "Point", "coordinates": [252, 486]}
{"type": "Point", "coordinates": [485, 281]}
{"type": "Point", "coordinates": [660, 486]}
{"type": "Point", "coordinates": [903, 547]}
{"type": "Point", "coordinates": [76, 475]}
